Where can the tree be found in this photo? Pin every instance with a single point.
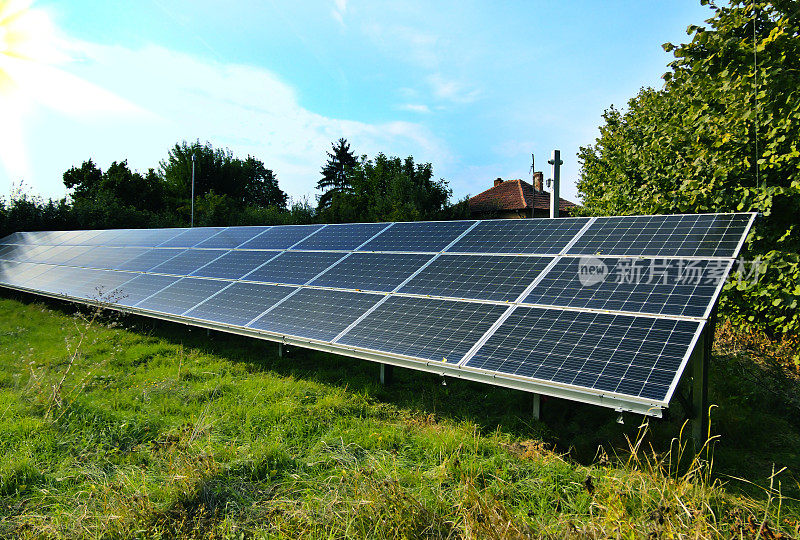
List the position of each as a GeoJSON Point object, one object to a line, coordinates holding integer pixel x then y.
{"type": "Point", "coordinates": [722, 135]}
{"type": "Point", "coordinates": [335, 177]}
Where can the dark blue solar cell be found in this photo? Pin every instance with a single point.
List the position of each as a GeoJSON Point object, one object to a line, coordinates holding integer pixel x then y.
{"type": "Point", "coordinates": [240, 303]}
{"type": "Point", "coordinates": [427, 328]}
{"type": "Point", "coordinates": [100, 285]}
{"type": "Point", "coordinates": [149, 259]}
{"type": "Point", "coordinates": [483, 277]}
{"type": "Point", "coordinates": [604, 352]}
{"type": "Point", "coordinates": [372, 271]}
{"type": "Point", "coordinates": [346, 236]}
{"type": "Point", "coordinates": [545, 236]}
{"type": "Point", "coordinates": [695, 235]}
{"type": "Point", "coordinates": [280, 237]}
{"type": "Point", "coordinates": [58, 280]}
{"type": "Point", "coordinates": [294, 267]}
{"type": "Point", "coordinates": [192, 237]}
{"type": "Point", "coordinates": [145, 237]}
{"type": "Point", "coordinates": [140, 287]}
{"type": "Point", "coordinates": [187, 262]}
{"type": "Point", "coordinates": [428, 236]}
{"type": "Point", "coordinates": [7, 250]}
{"type": "Point", "coordinates": [182, 295]}
{"type": "Point", "coordinates": [659, 286]}
{"type": "Point", "coordinates": [235, 264]}
{"type": "Point", "coordinates": [316, 313]}
{"type": "Point", "coordinates": [232, 237]}
{"type": "Point", "coordinates": [102, 238]}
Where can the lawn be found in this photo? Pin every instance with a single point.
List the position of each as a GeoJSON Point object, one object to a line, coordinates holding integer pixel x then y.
{"type": "Point", "coordinates": [119, 426]}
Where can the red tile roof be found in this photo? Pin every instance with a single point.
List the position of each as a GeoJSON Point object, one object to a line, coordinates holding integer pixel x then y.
{"type": "Point", "coordinates": [514, 195]}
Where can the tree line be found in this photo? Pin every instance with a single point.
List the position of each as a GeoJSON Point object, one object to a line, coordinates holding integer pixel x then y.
{"type": "Point", "coordinates": [231, 191]}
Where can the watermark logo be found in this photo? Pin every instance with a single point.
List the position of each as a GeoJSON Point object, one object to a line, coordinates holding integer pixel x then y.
{"type": "Point", "coordinates": [591, 271]}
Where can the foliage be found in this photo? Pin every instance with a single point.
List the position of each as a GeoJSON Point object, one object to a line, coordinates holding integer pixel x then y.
{"type": "Point", "coordinates": [389, 189]}
{"type": "Point", "coordinates": [721, 136]}
{"type": "Point", "coordinates": [335, 173]}
{"type": "Point", "coordinates": [156, 431]}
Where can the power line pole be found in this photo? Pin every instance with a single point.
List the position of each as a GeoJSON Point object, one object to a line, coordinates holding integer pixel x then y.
{"type": "Point", "coordinates": [192, 219]}
{"type": "Point", "coordinates": [555, 196]}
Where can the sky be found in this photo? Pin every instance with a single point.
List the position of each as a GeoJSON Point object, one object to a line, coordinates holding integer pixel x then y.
{"type": "Point", "coordinates": [472, 87]}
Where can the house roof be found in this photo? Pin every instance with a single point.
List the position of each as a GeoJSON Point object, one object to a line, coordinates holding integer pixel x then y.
{"type": "Point", "coordinates": [514, 195]}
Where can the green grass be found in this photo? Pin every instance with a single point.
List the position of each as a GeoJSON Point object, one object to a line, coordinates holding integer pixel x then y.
{"type": "Point", "coordinates": [158, 430]}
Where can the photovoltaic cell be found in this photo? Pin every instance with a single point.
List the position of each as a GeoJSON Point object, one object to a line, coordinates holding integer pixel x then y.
{"type": "Point", "coordinates": [427, 328]}
{"type": "Point", "coordinates": [62, 254]}
{"type": "Point", "coordinates": [56, 280]}
{"type": "Point", "coordinates": [102, 238]}
{"type": "Point", "coordinates": [100, 285]}
{"type": "Point", "coordinates": [145, 237]}
{"type": "Point", "coordinates": [187, 262]}
{"type": "Point", "coordinates": [149, 259]}
{"type": "Point", "coordinates": [294, 267]}
{"type": "Point", "coordinates": [344, 237]}
{"type": "Point", "coordinates": [182, 295]}
{"type": "Point", "coordinates": [482, 277]}
{"type": "Point", "coordinates": [697, 235]}
{"type": "Point", "coordinates": [232, 237]}
{"type": "Point", "coordinates": [104, 257]}
{"type": "Point", "coordinates": [240, 303]}
{"type": "Point", "coordinates": [427, 236]}
{"type": "Point", "coordinates": [545, 236]}
{"type": "Point", "coordinates": [316, 313]}
{"type": "Point", "coordinates": [280, 237]}
{"type": "Point", "coordinates": [192, 237]}
{"type": "Point", "coordinates": [372, 271]}
{"type": "Point", "coordinates": [140, 287]}
{"type": "Point", "coordinates": [659, 286]}
{"type": "Point", "coordinates": [235, 264]}
{"type": "Point", "coordinates": [636, 356]}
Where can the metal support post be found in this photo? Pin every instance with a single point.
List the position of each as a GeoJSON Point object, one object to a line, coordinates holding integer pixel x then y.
{"type": "Point", "coordinates": [387, 374]}
{"type": "Point", "coordinates": [537, 406]}
{"type": "Point", "coordinates": [700, 358]}
{"type": "Point", "coordinates": [280, 350]}
{"type": "Point", "coordinates": [555, 188]}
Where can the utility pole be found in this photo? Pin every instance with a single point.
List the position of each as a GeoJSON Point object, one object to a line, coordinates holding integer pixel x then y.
{"type": "Point", "coordinates": [555, 197]}
{"type": "Point", "coordinates": [192, 219]}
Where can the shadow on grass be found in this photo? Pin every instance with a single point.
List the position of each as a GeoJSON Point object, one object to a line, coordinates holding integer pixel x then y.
{"type": "Point", "coordinates": [756, 418]}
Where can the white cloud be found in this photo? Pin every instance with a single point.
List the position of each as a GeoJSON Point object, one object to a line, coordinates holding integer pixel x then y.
{"type": "Point", "coordinates": [415, 107]}
{"type": "Point", "coordinates": [452, 90]}
{"type": "Point", "coordinates": [339, 10]}
{"type": "Point", "coordinates": [245, 108]}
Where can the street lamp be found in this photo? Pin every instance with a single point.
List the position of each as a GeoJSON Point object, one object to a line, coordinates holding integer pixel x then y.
{"type": "Point", "coordinates": [192, 223]}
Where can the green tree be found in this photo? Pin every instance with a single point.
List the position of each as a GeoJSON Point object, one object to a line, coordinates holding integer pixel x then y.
{"type": "Point", "coordinates": [335, 173]}
{"type": "Point", "coordinates": [722, 135]}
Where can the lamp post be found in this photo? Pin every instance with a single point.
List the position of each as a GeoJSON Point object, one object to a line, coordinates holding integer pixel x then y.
{"type": "Point", "coordinates": [192, 219]}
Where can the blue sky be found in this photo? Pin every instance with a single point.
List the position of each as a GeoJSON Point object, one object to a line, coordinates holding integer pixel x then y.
{"type": "Point", "coordinates": [473, 87]}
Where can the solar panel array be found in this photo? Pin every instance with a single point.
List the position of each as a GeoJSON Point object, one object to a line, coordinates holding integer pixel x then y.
{"type": "Point", "coordinates": [605, 310]}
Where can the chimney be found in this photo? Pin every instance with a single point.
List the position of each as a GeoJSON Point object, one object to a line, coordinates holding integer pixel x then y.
{"type": "Point", "coordinates": [538, 181]}
{"type": "Point", "coordinates": [498, 181]}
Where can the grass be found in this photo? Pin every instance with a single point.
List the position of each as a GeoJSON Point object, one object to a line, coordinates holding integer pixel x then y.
{"type": "Point", "coordinates": [126, 427]}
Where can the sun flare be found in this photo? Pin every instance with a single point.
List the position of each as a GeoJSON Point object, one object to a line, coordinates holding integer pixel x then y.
{"type": "Point", "coordinates": [31, 53]}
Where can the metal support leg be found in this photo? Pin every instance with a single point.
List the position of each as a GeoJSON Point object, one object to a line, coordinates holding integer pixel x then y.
{"type": "Point", "coordinates": [537, 406]}
{"type": "Point", "coordinates": [700, 358]}
{"type": "Point", "coordinates": [387, 374]}
{"type": "Point", "coordinates": [280, 350]}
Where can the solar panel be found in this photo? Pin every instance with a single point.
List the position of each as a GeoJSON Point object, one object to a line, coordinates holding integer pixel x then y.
{"type": "Point", "coordinates": [232, 237]}
{"type": "Point", "coordinates": [316, 313]}
{"type": "Point", "coordinates": [372, 271]}
{"type": "Point", "coordinates": [188, 261]}
{"type": "Point", "coordinates": [426, 328]}
{"type": "Point", "coordinates": [192, 237]}
{"type": "Point", "coordinates": [280, 237]}
{"type": "Point", "coordinates": [658, 286]}
{"type": "Point", "coordinates": [636, 356]}
{"type": "Point", "coordinates": [542, 236]}
{"type": "Point", "coordinates": [182, 295]}
{"type": "Point", "coordinates": [235, 264]}
{"type": "Point", "coordinates": [240, 303]}
{"type": "Point", "coordinates": [602, 310]}
{"type": "Point", "coordinates": [342, 237]}
{"type": "Point", "coordinates": [294, 267]}
{"type": "Point", "coordinates": [483, 277]}
{"type": "Point", "coordinates": [429, 236]}
{"type": "Point", "coordinates": [697, 235]}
